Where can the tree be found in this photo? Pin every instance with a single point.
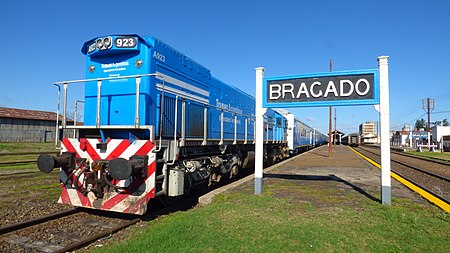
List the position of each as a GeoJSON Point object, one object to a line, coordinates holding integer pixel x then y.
{"type": "Point", "coordinates": [444, 122]}
{"type": "Point", "coordinates": [437, 123]}
{"type": "Point", "coordinates": [420, 124]}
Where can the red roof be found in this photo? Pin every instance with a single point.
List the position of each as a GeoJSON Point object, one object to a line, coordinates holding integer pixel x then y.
{"type": "Point", "coordinates": [27, 114]}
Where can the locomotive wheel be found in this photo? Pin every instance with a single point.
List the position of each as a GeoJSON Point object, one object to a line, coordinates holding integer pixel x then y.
{"type": "Point", "coordinates": [234, 171]}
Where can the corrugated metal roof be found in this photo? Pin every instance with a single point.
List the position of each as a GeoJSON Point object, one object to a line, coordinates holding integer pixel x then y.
{"type": "Point", "coordinates": [27, 114]}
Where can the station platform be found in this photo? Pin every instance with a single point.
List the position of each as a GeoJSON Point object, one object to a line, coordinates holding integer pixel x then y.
{"type": "Point", "coordinates": [343, 166]}
{"type": "Point", "coordinates": [343, 171]}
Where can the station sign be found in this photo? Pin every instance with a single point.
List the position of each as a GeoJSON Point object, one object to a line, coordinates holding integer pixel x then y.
{"type": "Point", "coordinates": [419, 134]}
{"type": "Point", "coordinates": [360, 87]}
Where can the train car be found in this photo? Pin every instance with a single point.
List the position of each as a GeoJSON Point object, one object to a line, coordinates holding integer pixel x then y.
{"type": "Point", "coordinates": [157, 124]}
{"type": "Point", "coordinates": [352, 140]}
{"type": "Point", "coordinates": [321, 139]}
{"type": "Point", "coordinates": [300, 136]}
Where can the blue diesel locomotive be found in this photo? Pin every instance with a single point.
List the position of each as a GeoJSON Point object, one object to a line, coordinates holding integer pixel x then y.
{"type": "Point", "coordinates": [157, 124]}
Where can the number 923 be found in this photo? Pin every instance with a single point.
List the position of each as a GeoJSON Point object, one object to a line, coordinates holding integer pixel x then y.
{"type": "Point", "coordinates": [125, 42]}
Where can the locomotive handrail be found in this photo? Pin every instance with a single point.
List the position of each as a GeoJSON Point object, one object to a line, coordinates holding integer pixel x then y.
{"type": "Point", "coordinates": [57, 117]}
{"type": "Point", "coordinates": [75, 116]}
{"type": "Point", "coordinates": [137, 115]}
{"type": "Point", "coordinates": [99, 85]}
{"type": "Point", "coordinates": [205, 125]}
{"type": "Point", "coordinates": [175, 131]}
{"type": "Point", "coordinates": [221, 127]}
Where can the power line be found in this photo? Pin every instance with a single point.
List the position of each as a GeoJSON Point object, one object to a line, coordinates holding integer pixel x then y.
{"type": "Point", "coordinates": [439, 112]}
{"type": "Point", "coordinates": [405, 123]}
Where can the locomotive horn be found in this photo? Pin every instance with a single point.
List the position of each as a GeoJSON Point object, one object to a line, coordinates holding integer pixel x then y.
{"type": "Point", "coordinates": [46, 163]}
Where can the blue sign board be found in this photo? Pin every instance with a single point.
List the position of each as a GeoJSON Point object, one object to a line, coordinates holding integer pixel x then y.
{"type": "Point", "coordinates": [360, 87]}
{"type": "Point", "coordinates": [419, 134]}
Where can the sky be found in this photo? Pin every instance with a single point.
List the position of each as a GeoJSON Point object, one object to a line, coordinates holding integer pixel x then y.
{"type": "Point", "coordinates": [40, 44]}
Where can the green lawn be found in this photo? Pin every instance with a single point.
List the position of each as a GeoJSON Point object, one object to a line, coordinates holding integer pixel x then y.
{"type": "Point", "coordinates": [439, 155]}
{"type": "Point", "coordinates": [8, 147]}
{"type": "Point", "coordinates": [293, 217]}
{"type": "Point", "coordinates": [13, 148]}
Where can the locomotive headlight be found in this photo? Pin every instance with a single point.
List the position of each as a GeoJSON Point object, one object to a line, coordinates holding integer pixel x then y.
{"type": "Point", "coordinates": [91, 68]}
{"type": "Point", "coordinates": [91, 48]}
{"type": "Point", "coordinates": [108, 42]}
{"type": "Point", "coordinates": [99, 44]}
{"type": "Point", "coordinates": [139, 63]}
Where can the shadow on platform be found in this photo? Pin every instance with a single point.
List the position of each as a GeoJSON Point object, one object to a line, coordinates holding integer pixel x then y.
{"type": "Point", "coordinates": [330, 177]}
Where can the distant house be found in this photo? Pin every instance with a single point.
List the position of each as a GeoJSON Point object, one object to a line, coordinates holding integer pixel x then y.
{"type": "Point", "coordinates": [441, 136]}
{"type": "Point", "coordinates": [400, 138]}
{"type": "Point", "coordinates": [18, 125]}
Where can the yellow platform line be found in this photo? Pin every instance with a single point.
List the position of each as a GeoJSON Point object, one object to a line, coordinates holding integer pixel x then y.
{"type": "Point", "coordinates": [428, 196]}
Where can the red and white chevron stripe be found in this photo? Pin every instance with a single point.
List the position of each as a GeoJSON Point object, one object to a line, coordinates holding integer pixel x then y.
{"type": "Point", "coordinates": [125, 201]}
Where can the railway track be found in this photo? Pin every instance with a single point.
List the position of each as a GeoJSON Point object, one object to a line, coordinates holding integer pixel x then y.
{"type": "Point", "coordinates": [430, 175]}
{"type": "Point", "coordinates": [48, 233]}
{"type": "Point", "coordinates": [75, 228]}
{"type": "Point", "coordinates": [70, 230]}
{"type": "Point", "coordinates": [17, 161]}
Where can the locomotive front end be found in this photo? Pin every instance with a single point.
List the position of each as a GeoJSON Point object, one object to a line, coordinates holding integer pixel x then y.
{"type": "Point", "coordinates": [110, 163]}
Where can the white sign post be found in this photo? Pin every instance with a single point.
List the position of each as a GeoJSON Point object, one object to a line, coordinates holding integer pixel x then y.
{"type": "Point", "coordinates": [259, 134]}
{"type": "Point", "coordinates": [384, 127]}
{"type": "Point", "coordinates": [360, 87]}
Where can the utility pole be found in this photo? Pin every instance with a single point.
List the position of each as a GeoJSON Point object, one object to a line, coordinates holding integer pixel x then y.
{"type": "Point", "coordinates": [428, 106]}
{"type": "Point", "coordinates": [331, 121]}
{"type": "Point", "coordinates": [334, 134]}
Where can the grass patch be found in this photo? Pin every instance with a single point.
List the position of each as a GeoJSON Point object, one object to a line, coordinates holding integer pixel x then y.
{"type": "Point", "coordinates": [444, 156]}
{"type": "Point", "coordinates": [12, 148]}
{"type": "Point", "coordinates": [8, 147]}
{"type": "Point", "coordinates": [19, 167]}
{"type": "Point", "coordinates": [307, 219]}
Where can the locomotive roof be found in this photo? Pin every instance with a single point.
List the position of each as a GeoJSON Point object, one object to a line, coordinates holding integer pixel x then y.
{"type": "Point", "coordinates": [147, 40]}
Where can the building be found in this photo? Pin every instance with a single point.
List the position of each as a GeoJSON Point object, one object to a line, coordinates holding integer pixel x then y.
{"type": "Point", "coordinates": [18, 125]}
{"type": "Point", "coordinates": [336, 137]}
{"type": "Point", "coordinates": [368, 132]}
{"type": "Point", "coordinates": [400, 138]}
{"type": "Point", "coordinates": [441, 137]}
{"type": "Point", "coordinates": [367, 128]}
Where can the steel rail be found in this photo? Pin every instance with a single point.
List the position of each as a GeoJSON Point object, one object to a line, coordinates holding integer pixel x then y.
{"type": "Point", "coordinates": [88, 240]}
{"type": "Point", "coordinates": [415, 168]}
{"type": "Point", "coordinates": [433, 160]}
{"type": "Point", "coordinates": [431, 196]}
{"type": "Point", "coordinates": [30, 153]}
{"type": "Point", "coordinates": [93, 238]}
{"type": "Point", "coordinates": [17, 162]}
{"type": "Point", "coordinates": [442, 198]}
{"type": "Point", "coordinates": [38, 220]}
{"type": "Point", "coordinates": [20, 173]}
